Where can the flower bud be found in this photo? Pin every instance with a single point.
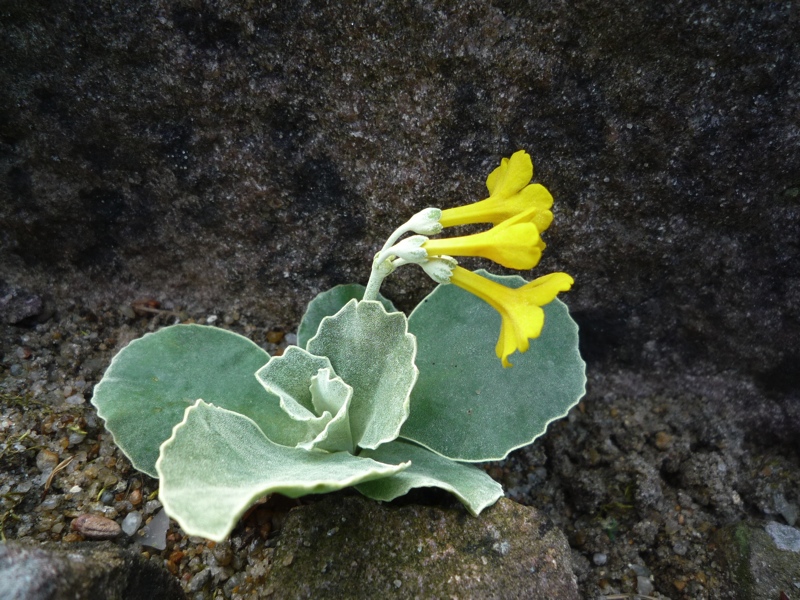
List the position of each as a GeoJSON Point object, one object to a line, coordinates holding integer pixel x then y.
{"type": "Point", "coordinates": [440, 268]}
{"type": "Point", "coordinates": [426, 222]}
{"type": "Point", "coordinates": [410, 249]}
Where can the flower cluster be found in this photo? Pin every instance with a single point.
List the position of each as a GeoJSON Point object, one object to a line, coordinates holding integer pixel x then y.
{"type": "Point", "coordinates": [519, 211]}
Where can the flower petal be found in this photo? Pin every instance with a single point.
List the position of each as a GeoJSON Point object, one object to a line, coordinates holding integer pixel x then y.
{"type": "Point", "coordinates": [521, 316]}
{"type": "Point", "coordinates": [544, 289]}
{"type": "Point", "coordinates": [511, 176]}
{"type": "Point", "coordinates": [496, 175]}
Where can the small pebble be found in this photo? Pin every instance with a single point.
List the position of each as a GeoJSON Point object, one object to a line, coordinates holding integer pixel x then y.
{"type": "Point", "coordinates": [155, 532]}
{"type": "Point", "coordinates": [663, 440]}
{"type": "Point", "coordinates": [199, 581]}
{"type": "Point", "coordinates": [107, 498]}
{"type": "Point", "coordinates": [24, 487]}
{"type": "Point", "coordinates": [96, 527]}
{"type": "Point", "coordinates": [599, 558]}
{"type": "Point", "coordinates": [46, 460]}
{"type": "Point", "coordinates": [50, 502]}
{"type": "Point", "coordinates": [644, 587]}
{"type": "Point", "coordinates": [131, 522]}
{"type": "Point", "coordinates": [76, 399]}
{"type": "Point", "coordinates": [274, 336]}
{"type": "Point", "coordinates": [237, 580]}
{"type": "Point", "coordinates": [502, 548]}
{"type": "Point", "coordinates": [223, 553]}
{"type": "Point", "coordinates": [290, 338]}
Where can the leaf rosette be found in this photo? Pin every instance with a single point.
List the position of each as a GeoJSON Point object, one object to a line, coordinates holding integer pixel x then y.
{"type": "Point", "coordinates": [369, 398]}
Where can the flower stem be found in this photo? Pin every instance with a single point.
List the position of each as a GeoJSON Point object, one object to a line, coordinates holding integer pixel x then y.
{"type": "Point", "coordinates": [373, 285]}
{"type": "Point", "coordinates": [381, 269]}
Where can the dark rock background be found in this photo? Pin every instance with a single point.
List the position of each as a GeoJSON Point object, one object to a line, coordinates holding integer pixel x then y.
{"type": "Point", "coordinates": [193, 150]}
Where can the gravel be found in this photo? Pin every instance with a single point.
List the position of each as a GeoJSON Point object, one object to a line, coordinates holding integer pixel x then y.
{"type": "Point", "coordinates": [637, 477]}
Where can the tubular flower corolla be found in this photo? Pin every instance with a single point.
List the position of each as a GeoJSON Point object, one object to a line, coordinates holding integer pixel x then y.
{"type": "Point", "coordinates": [519, 308]}
{"type": "Point", "coordinates": [514, 243]}
{"type": "Point", "coordinates": [510, 193]}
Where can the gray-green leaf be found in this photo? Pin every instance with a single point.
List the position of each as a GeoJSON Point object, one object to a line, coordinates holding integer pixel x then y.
{"type": "Point", "coordinates": [151, 381]}
{"type": "Point", "coordinates": [327, 304]}
{"type": "Point", "coordinates": [372, 351]}
{"type": "Point", "coordinates": [289, 378]}
{"type": "Point", "coordinates": [472, 486]}
{"type": "Point", "coordinates": [218, 463]}
{"type": "Point", "coordinates": [331, 394]}
{"type": "Point", "coordinates": [465, 405]}
{"type": "Point", "coordinates": [313, 396]}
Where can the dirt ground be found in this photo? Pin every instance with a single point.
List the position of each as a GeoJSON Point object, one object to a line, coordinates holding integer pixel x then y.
{"type": "Point", "coordinates": [640, 476]}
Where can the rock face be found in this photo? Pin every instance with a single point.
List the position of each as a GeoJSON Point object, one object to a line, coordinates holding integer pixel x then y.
{"type": "Point", "coordinates": [216, 154]}
{"type": "Point", "coordinates": [763, 558]}
{"type": "Point", "coordinates": [354, 548]}
{"type": "Point", "coordinates": [89, 571]}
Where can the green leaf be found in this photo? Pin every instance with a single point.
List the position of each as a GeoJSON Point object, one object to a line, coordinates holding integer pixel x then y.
{"type": "Point", "coordinates": [327, 304]}
{"type": "Point", "coordinates": [151, 381]}
{"type": "Point", "coordinates": [331, 394]}
{"type": "Point", "coordinates": [218, 463]}
{"type": "Point", "coordinates": [289, 378]}
{"type": "Point", "coordinates": [372, 351]}
{"type": "Point", "coordinates": [465, 405]}
{"type": "Point", "coordinates": [313, 396]}
{"type": "Point", "coordinates": [472, 486]}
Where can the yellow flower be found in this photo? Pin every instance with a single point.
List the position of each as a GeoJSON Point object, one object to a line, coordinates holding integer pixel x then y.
{"type": "Point", "coordinates": [514, 243]}
{"type": "Point", "coordinates": [510, 193]}
{"type": "Point", "coordinates": [519, 308]}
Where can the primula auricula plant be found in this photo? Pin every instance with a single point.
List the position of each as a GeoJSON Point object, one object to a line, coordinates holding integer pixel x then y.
{"type": "Point", "coordinates": [368, 398]}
